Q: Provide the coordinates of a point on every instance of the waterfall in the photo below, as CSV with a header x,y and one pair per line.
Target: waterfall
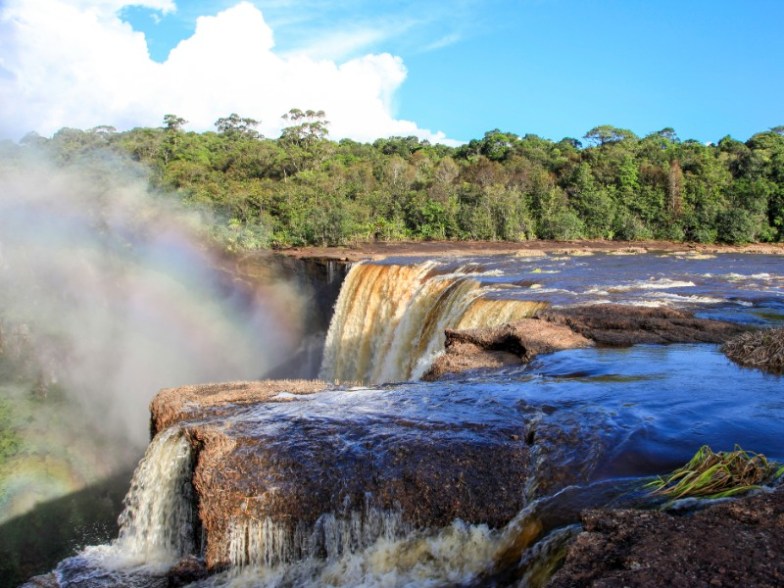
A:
x,y
389,320
157,525
265,543
375,548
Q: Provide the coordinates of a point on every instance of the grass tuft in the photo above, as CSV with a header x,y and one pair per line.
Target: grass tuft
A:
x,y
716,475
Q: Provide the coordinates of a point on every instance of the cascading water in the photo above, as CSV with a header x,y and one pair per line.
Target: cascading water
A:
x,y
375,548
267,544
389,320
157,525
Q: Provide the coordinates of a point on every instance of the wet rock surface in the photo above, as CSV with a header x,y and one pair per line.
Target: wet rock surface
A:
x,y
244,475
508,345
204,401
573,328
737,543
622,325
275,463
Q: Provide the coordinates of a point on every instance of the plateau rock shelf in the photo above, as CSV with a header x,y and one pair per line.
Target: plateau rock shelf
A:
x,y
289,479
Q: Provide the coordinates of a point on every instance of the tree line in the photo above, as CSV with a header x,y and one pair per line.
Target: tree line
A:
x,y
302,188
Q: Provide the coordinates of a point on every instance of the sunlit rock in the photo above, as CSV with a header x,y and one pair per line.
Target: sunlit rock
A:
x,y
573,328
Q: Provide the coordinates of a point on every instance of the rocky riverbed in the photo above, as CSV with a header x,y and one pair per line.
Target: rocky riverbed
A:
x,y
573,328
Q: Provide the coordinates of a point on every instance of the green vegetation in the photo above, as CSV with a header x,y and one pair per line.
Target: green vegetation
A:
x,y
9,439
716,475
304,189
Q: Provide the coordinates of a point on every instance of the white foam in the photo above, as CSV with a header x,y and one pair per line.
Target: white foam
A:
x,y
285,396
652,284
456,554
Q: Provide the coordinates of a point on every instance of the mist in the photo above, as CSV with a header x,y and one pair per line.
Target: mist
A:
x,y
108,293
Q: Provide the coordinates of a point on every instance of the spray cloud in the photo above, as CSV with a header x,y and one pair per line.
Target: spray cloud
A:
x,y
106,292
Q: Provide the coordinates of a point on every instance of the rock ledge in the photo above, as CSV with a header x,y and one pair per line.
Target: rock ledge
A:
x,y
572,328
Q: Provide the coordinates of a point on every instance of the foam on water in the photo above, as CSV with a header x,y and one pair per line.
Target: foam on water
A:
x,y
651,284
343,553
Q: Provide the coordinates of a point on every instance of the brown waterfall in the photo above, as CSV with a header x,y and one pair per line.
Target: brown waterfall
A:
x,y
390,319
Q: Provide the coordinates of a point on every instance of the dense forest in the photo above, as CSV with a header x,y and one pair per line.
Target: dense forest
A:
x,y
303,188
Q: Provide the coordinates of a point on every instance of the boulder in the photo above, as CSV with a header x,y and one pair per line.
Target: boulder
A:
x,y
497,347
283,472
276,484
737,543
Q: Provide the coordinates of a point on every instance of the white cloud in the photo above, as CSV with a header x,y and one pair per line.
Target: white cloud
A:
x,y
75,63
445,41
341,44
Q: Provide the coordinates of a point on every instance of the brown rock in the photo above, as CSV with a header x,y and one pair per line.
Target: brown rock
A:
x,y
246,476
572,328
508,345
462,357
186,571
621,325
172,405
730,544
265,469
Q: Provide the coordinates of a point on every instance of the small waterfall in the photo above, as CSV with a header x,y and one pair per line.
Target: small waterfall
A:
x,y
375,548
265,543
389,320
157,525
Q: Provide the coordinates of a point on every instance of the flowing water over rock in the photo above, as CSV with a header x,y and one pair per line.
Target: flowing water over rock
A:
x,y
390,317
473,481
157,527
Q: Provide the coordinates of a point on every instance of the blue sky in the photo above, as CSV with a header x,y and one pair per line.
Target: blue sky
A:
x,y
455,69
